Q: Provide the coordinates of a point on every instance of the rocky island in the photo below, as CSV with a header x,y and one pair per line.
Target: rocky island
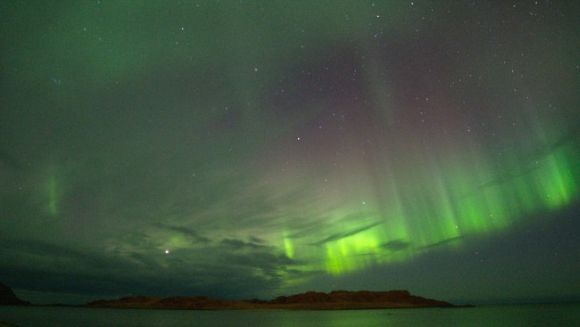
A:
x,y
335,300
7,297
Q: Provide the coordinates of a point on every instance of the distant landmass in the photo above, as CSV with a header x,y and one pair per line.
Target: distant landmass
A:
x,y
7,297
335,300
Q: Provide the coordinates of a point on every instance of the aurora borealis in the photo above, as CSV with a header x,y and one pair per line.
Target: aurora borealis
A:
x,y
257,148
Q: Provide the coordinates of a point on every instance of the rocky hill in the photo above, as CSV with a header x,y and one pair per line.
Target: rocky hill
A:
x,y
334,300
178,302
7,297
358,299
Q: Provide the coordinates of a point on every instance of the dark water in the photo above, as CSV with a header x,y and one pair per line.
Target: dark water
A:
x,y
509,315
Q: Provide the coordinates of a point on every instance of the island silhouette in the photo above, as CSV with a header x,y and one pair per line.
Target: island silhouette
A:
x,y
7,297
335,300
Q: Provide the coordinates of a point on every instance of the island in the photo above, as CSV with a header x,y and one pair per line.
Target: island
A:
x,y
7,297
335,300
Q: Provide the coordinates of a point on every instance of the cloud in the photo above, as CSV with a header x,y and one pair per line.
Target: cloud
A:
x,y
48,252
444,242
192,234
255,239
308,227
240,244
396,245
339,236
215,270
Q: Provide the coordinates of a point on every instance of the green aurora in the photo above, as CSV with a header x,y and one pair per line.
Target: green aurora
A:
x,y
252,148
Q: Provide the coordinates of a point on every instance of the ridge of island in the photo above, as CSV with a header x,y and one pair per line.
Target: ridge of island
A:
x,y
335,300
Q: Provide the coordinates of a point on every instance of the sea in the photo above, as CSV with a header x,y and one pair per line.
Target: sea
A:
x,y
501,315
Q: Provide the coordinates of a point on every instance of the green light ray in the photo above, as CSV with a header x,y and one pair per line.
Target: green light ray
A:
x,y
441,208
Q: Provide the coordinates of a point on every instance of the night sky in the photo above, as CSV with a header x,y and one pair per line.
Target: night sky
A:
x,y
243,149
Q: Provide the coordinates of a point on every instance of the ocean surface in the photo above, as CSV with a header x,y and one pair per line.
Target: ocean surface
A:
x,y
505,315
